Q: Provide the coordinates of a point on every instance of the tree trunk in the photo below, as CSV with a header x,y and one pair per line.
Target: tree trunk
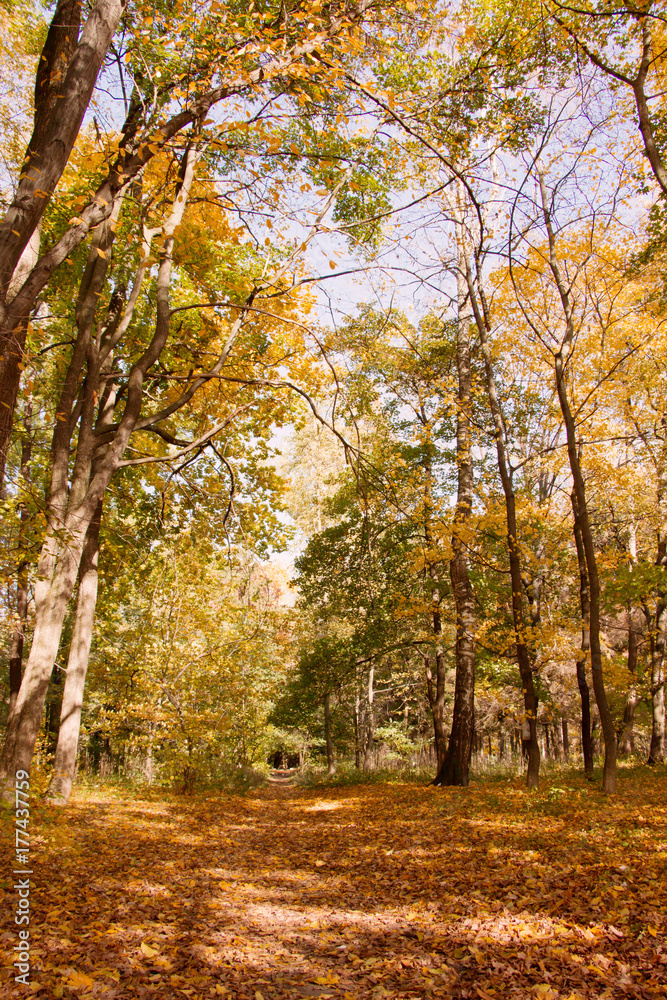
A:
x,y
566,739
656,753
60,786
582,683
626,743
53,706
18,634
581,505
72,507
66,75
435,687
436,698
530,701
586,535
51,597
369,730
331,764
357,732
455,769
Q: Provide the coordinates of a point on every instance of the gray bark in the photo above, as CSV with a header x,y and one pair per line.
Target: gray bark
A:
x,y
369,728
18,634
331,763
60,786
657,645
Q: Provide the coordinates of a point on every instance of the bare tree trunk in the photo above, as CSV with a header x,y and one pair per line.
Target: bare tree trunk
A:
x,y
369,730
435,686
626,743
436,697
581,516
582,683
18,634
331,764
656,753
566,739
70,717
455,769
52,598
357,731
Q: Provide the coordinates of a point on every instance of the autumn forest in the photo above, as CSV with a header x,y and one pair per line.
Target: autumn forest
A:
x,y
333,495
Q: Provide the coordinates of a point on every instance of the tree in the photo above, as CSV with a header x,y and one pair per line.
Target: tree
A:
x,y
155,117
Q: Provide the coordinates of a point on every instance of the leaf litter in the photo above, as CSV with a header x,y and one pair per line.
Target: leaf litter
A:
x,y
386,892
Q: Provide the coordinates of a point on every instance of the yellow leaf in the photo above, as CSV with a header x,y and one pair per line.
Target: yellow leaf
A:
x,y
101,253
318,864
147,950
294,149
79,981
332,265
653,931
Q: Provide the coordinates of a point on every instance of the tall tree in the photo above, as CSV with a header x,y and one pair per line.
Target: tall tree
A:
x,y
456,766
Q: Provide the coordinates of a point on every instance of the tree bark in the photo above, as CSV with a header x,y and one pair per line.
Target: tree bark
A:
x,y
435,688
357,731
566,740
626,743
60,786
369,728
455,769
656,753
582,683
331,763
18,634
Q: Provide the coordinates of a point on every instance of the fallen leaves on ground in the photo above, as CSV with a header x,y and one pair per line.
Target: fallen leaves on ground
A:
x,y
373,891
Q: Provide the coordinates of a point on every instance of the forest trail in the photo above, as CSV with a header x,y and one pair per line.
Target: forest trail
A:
x,y
372,891
280,777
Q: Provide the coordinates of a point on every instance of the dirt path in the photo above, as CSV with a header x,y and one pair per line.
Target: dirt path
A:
x,y
284,776
366,892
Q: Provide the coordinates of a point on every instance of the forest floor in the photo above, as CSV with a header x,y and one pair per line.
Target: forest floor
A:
x,y
369,891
